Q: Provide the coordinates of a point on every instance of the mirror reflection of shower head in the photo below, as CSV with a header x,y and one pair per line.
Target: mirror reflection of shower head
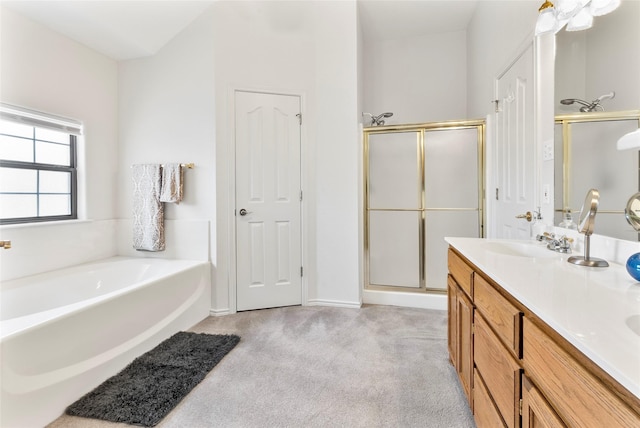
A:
x,y
377,120
588,107
569,101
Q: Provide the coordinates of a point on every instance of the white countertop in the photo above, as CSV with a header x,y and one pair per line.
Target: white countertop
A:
x,y
595,309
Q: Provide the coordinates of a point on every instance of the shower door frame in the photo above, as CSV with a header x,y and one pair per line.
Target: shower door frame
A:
x,y
422,128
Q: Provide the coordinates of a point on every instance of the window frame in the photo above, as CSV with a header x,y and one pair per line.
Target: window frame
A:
x,y
72,168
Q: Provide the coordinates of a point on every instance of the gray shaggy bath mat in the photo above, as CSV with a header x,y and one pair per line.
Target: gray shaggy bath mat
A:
x,y
153,384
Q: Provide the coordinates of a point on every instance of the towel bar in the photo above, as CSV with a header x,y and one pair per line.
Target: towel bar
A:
x,y
190,165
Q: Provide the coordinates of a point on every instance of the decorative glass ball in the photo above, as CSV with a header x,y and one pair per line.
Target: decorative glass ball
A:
x,y
633,266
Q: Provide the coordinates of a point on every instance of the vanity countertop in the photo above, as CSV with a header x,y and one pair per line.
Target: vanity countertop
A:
x,y
596,309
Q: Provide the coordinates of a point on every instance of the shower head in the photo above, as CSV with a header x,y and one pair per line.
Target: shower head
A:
x,y
569,101
377,120
589,107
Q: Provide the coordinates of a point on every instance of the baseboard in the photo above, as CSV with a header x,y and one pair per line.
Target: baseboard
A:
x,y
410,300
334,303
219,312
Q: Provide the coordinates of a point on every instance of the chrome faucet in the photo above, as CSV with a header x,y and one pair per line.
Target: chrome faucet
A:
x,y
5,244
560,244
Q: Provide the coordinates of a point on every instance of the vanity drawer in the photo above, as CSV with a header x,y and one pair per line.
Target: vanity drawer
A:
x,y
499,371
502,316
578,396
461,272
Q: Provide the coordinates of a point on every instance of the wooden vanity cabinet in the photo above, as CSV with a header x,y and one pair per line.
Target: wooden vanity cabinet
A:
x,y
461,272
536,412
485,413
460,296
499,371
524,373
460,335
452,320
504,318
576,392
488,345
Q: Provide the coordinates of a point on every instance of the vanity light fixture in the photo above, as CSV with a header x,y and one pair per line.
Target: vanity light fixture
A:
x,y
568,8
582,20
547,21
602,7
576,14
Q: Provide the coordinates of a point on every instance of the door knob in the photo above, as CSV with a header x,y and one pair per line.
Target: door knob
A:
x,y
528,216
244,212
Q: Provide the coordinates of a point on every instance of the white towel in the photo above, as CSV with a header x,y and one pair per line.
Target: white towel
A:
x,y
171,189
148,211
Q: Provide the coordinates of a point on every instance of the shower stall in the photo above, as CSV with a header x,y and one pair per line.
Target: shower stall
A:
x,y
586,157
421,183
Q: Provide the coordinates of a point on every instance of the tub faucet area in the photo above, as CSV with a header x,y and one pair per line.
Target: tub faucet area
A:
x,y
5,244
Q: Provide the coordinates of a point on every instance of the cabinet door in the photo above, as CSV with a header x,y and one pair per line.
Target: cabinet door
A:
x,y
499,371
484,411
536,412
452,328
464,313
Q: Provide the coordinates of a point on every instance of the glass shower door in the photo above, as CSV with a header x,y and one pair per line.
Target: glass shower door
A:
x,y
422,183
452,195
394,189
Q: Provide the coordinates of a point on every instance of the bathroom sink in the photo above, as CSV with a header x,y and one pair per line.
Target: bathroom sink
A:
x,y
633,322
519,249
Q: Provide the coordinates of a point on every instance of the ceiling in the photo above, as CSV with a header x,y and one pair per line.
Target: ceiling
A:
x,y
396,19
132,29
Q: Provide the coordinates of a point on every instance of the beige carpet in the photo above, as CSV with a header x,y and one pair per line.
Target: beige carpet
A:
x,y
378,366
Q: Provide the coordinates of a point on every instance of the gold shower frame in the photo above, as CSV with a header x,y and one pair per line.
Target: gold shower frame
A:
x,y
420,129
566,120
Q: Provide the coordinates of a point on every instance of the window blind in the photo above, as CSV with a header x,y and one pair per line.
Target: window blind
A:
x,y
42,120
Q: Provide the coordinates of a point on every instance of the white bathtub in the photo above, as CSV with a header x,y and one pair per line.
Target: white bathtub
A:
x,y
66,331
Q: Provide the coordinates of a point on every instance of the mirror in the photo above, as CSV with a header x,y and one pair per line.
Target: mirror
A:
x,y
632,211
586,225
590,65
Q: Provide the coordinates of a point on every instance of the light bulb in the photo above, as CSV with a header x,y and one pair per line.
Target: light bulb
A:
x,y
602,7
566,9
547,22
582,21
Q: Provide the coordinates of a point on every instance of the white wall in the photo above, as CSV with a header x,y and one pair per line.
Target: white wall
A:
x,y
306,48
600,60
167,114
570,69
178,106
494,35
258,46
337,154
45,71
419,79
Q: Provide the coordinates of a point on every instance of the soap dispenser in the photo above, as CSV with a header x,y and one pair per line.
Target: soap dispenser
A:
x,y
567,221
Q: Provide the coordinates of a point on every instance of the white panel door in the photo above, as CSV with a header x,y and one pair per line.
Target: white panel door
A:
x,y
268,201
515,152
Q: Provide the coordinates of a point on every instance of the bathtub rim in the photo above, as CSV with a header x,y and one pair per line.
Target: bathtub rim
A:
x,y
17,326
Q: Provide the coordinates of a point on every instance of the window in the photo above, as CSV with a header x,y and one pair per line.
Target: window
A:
x,y
38,177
